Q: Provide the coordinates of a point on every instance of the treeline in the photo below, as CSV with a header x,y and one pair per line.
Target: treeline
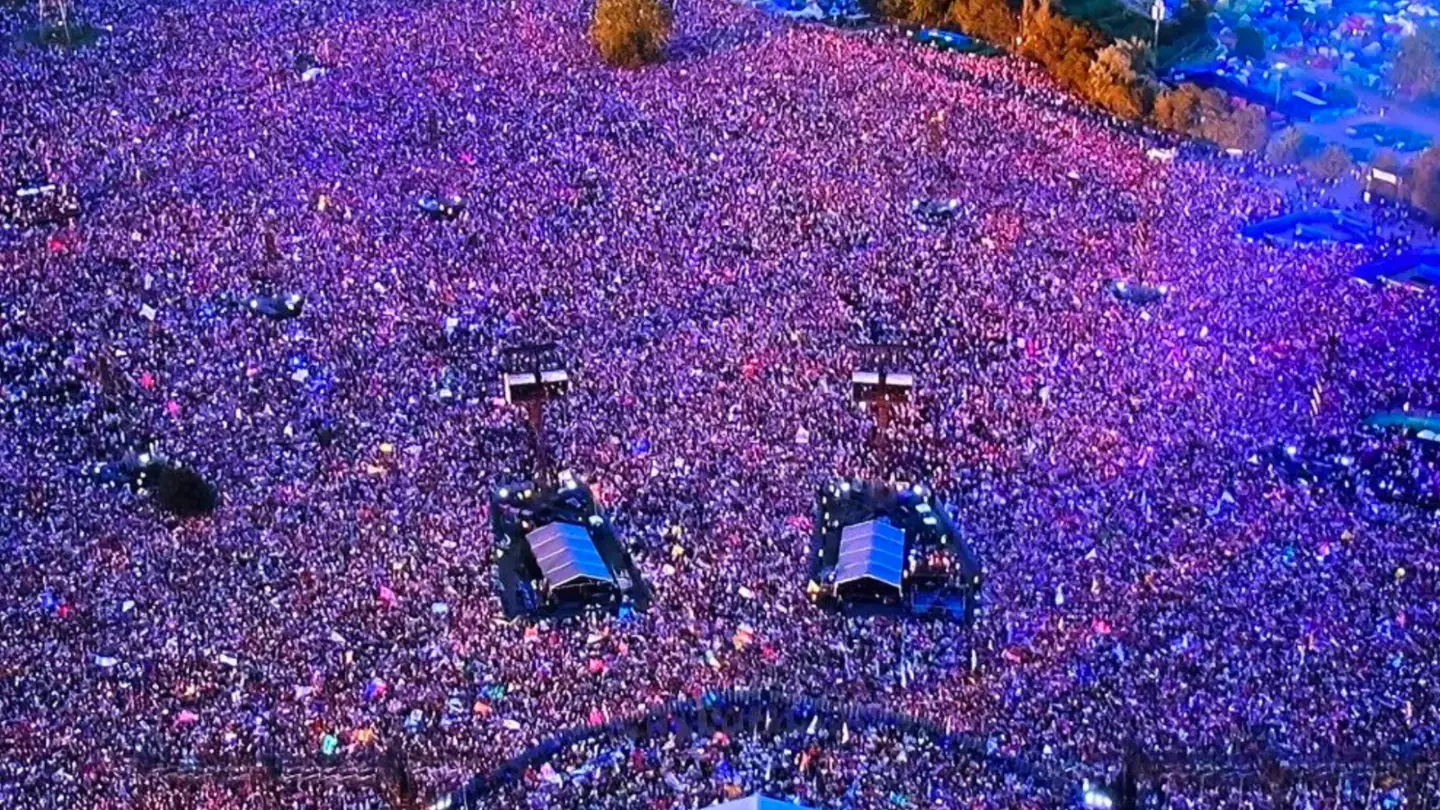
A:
x,y
1419,181
1416,73
1117,75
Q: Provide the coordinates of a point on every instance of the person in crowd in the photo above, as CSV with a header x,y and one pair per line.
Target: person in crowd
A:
x,y
708,240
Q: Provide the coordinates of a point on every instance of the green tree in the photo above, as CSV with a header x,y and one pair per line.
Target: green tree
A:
x,y
1122,78
995,21
1416,71
1386,161
1331,164
1179,109
1065,47
1425,182
1213,116
928,12
900,10
1246,127
1194,18
1249,44
631,33
1290,146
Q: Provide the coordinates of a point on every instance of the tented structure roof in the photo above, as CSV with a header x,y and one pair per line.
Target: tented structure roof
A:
x,y
871,550
567,555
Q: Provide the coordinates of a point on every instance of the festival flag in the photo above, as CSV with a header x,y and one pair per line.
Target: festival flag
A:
x,y
376,689
387,596
744,635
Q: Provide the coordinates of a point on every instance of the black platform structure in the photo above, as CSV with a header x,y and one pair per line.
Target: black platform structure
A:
x,y
881,379
176,488
890,550
558,554
533,374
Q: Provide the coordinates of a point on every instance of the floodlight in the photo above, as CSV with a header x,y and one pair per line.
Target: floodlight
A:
x,y
900,379
1095,798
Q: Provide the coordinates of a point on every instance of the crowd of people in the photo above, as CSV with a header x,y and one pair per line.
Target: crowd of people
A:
x,y
752,747
708,240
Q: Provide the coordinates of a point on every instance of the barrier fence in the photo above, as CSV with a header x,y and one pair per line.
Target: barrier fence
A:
x,y
735,712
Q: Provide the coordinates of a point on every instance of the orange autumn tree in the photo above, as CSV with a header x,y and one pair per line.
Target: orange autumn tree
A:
x,y
631,33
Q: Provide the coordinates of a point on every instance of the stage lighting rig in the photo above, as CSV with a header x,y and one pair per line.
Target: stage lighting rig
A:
x,y
532,374
891,549
883,376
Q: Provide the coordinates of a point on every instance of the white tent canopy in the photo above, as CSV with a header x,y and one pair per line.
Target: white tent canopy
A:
x,y
567,556
871,550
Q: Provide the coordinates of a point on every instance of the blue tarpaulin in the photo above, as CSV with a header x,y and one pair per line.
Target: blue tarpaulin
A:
x,y
1304,227
1418,269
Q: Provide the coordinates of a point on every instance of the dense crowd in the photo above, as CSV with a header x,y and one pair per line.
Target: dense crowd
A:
x,y
868,767
708,239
